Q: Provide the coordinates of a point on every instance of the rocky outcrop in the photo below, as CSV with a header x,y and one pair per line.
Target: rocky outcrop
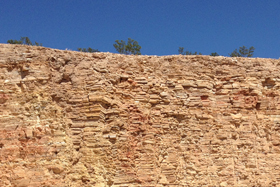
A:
x,y
100,119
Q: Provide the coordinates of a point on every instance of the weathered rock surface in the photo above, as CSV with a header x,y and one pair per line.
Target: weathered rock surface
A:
x,y
79,119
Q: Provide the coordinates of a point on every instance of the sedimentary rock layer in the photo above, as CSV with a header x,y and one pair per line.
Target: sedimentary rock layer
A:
x,y
100,119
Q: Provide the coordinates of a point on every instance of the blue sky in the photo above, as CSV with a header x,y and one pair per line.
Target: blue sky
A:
x,y
159,26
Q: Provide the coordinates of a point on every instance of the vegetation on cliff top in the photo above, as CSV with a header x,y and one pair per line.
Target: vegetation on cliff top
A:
x,y
243,52
132,47
89,50
24,40
182,52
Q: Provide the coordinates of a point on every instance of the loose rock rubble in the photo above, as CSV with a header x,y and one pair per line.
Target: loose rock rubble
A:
x,y
100,119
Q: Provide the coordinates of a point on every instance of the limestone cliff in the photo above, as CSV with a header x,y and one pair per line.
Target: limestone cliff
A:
x,y
99,119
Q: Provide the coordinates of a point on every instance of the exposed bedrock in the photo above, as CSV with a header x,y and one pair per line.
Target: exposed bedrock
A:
x,y
100,119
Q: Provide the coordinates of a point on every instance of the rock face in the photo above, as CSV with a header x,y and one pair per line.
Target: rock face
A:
x,y
100,119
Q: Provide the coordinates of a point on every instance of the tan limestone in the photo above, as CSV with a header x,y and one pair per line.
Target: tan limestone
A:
x,y
80,119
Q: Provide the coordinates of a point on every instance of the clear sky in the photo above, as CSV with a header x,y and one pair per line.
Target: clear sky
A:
x,y
159,26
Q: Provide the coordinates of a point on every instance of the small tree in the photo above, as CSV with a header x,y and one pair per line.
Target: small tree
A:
x,y
26,40
182,52
131,47
89,50
37,44
214,54
243,52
